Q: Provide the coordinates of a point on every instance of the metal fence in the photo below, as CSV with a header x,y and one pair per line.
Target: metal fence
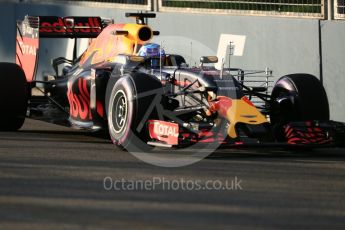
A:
x,y
322,9
130,4
135,2
339,9
297,8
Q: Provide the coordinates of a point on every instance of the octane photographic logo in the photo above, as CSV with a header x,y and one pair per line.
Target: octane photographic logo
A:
x,y
165,184
176,157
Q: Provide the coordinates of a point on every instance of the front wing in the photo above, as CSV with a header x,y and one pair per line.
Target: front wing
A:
x,y
294,134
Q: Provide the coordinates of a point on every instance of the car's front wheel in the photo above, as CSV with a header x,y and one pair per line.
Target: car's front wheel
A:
x,y
299,97
127,111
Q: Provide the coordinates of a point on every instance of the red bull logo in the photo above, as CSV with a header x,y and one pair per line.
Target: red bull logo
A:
x,y
50,24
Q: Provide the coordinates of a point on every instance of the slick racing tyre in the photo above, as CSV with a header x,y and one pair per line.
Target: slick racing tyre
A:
x,y
13,97
299,97
127,110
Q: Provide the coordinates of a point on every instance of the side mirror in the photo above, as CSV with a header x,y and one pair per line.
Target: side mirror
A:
x,y
208,59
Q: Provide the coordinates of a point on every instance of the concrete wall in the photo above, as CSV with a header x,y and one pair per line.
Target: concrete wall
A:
x,y
7,32
285,45
333,60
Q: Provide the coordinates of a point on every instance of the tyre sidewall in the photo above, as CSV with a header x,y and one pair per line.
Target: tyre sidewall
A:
x,y
125,85
309,98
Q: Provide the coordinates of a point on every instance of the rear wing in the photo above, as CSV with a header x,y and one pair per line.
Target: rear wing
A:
x,y
67,27
34,27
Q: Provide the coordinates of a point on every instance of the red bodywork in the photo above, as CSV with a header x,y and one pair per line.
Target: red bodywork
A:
x,y
26,55
26,49
166,132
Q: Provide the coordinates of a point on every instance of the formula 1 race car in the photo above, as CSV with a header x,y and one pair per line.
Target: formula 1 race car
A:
x,y
147,101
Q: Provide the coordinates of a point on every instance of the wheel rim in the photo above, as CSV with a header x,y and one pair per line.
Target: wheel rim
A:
x,y
120,111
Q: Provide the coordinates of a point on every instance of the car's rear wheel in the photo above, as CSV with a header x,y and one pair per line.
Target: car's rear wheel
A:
x,y
13,97
127,110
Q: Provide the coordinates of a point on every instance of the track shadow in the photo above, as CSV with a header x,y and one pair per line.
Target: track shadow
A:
x,y
99,134
221,153
296,153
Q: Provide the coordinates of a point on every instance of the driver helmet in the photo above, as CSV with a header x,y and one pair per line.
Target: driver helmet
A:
x,y
153,51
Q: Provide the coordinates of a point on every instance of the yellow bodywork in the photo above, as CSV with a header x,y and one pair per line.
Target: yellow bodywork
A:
x,y
243,111
110,43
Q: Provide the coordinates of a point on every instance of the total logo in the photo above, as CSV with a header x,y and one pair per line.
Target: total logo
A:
x,y
165,130
27,49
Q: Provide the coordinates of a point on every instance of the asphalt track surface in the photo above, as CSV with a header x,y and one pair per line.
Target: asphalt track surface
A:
x,y
52,178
